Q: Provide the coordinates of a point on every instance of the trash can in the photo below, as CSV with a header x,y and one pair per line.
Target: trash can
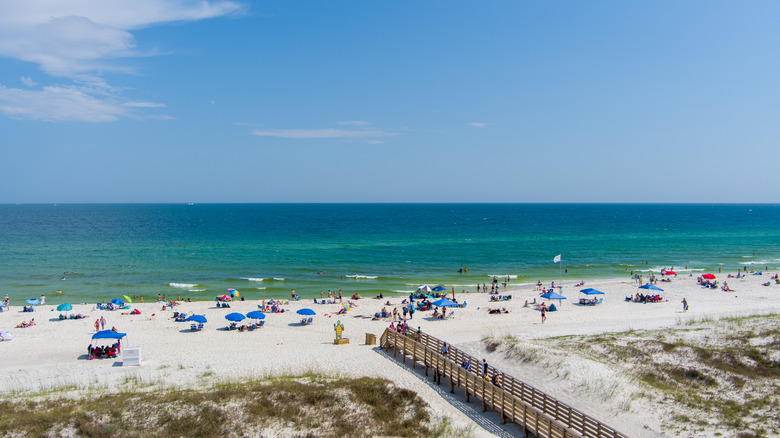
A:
x,y
370,339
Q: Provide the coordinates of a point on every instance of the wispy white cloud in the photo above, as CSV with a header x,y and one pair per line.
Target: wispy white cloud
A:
x,y
353,123
64,104
81,39
322,133
144,105
479,124
28,82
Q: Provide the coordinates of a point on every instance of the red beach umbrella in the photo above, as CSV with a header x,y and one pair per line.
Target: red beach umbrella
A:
x,y
708,276
670,273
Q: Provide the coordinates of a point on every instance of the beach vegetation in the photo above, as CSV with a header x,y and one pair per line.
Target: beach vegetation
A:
x,y
715,374
314,405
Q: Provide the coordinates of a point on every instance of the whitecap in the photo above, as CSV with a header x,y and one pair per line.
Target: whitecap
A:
x,y
182,285
758,262
279,278
502,276
260,288
356,276
252,279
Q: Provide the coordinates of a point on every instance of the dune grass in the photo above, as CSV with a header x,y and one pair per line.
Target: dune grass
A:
x,y
719,375
296,406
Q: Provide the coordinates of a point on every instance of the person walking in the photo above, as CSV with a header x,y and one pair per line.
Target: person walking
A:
x,y
685,305
544,316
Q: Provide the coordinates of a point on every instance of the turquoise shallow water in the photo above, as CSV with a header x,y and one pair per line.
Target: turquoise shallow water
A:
x,y
264,250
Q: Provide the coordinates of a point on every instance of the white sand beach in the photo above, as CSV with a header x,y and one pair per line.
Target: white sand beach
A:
x,y
52,354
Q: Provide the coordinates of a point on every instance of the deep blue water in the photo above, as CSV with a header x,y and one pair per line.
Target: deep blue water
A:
x,y
201,250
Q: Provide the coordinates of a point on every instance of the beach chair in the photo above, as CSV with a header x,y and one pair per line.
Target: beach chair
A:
x,y
232,326
200,326
193,327
261,323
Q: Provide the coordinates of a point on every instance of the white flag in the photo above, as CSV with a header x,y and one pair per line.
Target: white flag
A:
x,y
557,259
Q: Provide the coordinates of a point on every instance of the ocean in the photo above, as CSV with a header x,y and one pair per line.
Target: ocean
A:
x,y
96,252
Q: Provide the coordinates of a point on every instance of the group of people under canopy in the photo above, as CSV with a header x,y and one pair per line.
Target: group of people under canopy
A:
x,y
106,352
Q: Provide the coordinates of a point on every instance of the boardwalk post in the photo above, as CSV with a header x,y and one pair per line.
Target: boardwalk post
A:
x,y
484,397
467,388
525,420
452,381
395,345
503,413
403,351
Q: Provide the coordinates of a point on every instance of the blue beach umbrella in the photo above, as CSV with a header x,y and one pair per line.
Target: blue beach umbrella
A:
x,y
591,291
444,303
108,334
33,302
235,317
553,296
306,312
650,287
64,307
196,318
439,288
255,314
117,302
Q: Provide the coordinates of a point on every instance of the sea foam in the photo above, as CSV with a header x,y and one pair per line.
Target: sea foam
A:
x,y
182,285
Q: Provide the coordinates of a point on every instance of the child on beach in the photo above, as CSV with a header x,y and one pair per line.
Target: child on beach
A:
x,y
685,305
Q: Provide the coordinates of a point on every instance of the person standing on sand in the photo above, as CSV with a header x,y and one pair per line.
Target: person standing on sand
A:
x,y
97,325
102,323
685,305
544,316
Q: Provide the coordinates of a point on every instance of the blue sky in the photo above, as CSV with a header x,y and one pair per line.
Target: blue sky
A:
x,y
403,101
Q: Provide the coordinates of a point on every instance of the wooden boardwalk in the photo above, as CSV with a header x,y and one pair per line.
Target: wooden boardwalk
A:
x,y
536,412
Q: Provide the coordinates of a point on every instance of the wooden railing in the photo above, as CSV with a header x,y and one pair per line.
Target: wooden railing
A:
x,y
516,401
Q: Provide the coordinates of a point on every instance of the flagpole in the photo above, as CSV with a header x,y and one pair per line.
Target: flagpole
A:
x,y
558,259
